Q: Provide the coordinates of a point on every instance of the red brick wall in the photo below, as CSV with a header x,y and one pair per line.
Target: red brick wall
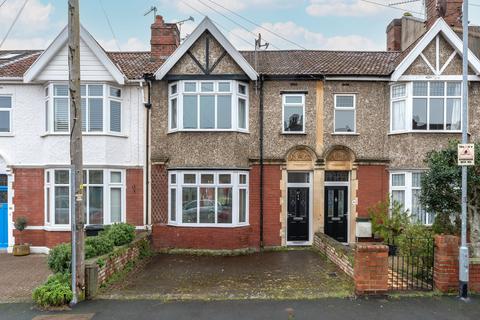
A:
x,y
134,195
371,269
372,187
165,236
165,38
445,274
28,197
42,238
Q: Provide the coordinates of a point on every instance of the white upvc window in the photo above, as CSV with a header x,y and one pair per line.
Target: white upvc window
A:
x,y
293,113
405,189
5,114
208,198
220,105
104,196
432,106
101,106
345,113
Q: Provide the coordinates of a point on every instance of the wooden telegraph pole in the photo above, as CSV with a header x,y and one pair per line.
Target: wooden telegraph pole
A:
x,y
76,157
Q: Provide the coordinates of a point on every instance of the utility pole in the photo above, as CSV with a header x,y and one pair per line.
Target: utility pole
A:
x,y
76,156
463,252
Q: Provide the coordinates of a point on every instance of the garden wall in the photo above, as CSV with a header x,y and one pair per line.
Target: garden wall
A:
x,y
99,270
445,275
338,253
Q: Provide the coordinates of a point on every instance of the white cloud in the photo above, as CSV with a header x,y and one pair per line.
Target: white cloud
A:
x,y
26,43
304,37
355,7
132,44
34,18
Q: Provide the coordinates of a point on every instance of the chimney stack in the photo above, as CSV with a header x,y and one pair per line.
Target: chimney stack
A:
x,y
449,10
394,35
165,38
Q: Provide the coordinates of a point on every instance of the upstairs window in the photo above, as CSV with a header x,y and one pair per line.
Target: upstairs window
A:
x,y
433,106
345,113
293,113
5,114
101,107
208,106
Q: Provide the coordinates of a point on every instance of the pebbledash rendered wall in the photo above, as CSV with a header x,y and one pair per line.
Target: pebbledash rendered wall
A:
x,y
29,202
248,237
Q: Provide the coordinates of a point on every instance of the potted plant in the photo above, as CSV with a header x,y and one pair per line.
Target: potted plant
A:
x,y
21,249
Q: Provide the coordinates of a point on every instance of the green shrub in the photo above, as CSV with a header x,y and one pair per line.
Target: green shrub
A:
x,y
119,233
416,241
55,292
60,258
388,221
97,246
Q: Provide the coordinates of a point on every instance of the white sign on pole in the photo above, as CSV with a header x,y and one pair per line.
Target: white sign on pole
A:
x,y
466,154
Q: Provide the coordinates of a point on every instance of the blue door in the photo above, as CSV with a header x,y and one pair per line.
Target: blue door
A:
x,y
3,211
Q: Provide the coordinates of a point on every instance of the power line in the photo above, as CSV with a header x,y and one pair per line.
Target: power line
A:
x,y
1,4
258,25
110,25
13,23
387,6
218,24
233,21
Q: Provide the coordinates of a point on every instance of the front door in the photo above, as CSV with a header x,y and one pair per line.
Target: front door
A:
x,y
336,212
3,212
298,214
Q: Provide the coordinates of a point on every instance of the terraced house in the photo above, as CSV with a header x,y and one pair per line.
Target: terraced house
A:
x,y
265,148
34,140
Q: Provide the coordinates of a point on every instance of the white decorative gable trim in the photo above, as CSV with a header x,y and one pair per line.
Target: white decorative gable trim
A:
x,y
451,37
206,24
61,41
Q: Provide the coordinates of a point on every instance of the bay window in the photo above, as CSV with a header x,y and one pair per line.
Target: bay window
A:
x,y
433,106
208,198
208,106
101,107
405,189
104,196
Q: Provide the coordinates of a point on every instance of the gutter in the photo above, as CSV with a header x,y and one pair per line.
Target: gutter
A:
x,y
148,106
261,129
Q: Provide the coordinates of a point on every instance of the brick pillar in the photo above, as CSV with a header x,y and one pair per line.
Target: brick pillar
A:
x,y
445,272
371,269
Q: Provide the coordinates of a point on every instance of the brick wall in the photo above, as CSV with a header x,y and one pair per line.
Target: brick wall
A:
x,y
134,195
28,198
371,269
339,254
445,275
165,236
372,187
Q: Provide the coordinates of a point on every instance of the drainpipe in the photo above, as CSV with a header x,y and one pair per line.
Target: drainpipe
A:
x,y
148,106
260,116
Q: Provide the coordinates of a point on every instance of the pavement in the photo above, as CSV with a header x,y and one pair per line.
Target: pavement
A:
x,y
292,274
20,275
432,308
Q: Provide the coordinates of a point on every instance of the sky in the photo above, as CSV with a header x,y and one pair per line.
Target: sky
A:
x,y
311,24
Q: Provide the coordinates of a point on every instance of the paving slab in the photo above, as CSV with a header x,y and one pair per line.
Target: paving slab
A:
x,y
20,275
292,274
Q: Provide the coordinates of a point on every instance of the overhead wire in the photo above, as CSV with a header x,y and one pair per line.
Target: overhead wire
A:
x,y
110,25
387,6
13,23
258,25
3,2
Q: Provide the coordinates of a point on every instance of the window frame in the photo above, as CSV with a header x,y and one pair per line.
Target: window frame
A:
x,y
107,185
106,97
290,104
235,184
181,93
408,98
10,114
353,108
408,188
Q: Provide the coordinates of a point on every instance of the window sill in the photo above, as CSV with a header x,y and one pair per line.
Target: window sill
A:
x,y
207,130
90,134
345,134
425,132
287,133
7,135
208,225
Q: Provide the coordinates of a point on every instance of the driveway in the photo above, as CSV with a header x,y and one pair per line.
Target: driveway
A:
x,y
20,275
293,274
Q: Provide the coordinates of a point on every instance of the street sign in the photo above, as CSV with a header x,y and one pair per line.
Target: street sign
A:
x,y
466,154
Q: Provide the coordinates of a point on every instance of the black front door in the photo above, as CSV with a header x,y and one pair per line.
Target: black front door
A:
x,y
298,214
336,212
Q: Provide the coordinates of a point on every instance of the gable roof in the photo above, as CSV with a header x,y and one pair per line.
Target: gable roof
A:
x,y
205,25
61,41
440,26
